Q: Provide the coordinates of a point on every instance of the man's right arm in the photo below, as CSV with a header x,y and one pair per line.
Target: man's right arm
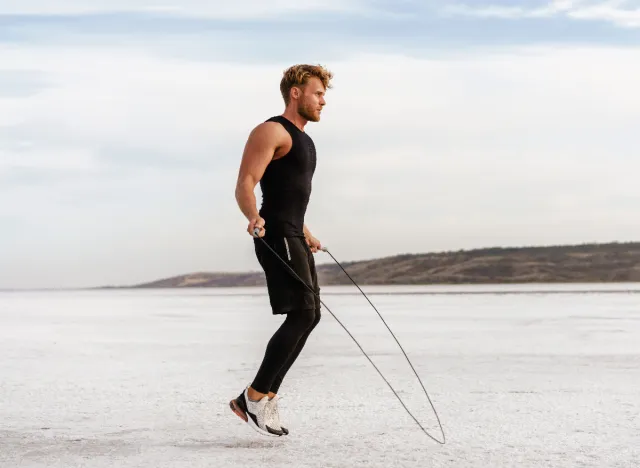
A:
x,y
258,153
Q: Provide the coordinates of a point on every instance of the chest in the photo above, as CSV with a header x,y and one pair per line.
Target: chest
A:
x,y
301,155
308,148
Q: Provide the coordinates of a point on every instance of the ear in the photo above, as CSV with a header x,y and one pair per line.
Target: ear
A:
x,y
295,92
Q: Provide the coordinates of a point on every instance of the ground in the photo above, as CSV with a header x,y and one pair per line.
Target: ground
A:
x,y
143,378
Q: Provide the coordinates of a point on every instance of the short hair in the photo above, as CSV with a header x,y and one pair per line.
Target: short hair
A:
x,y
298,75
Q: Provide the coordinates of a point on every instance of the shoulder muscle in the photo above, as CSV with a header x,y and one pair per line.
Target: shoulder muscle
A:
x,y
260,148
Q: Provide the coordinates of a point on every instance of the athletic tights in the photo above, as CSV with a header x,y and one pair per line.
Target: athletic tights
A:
x,y
284,348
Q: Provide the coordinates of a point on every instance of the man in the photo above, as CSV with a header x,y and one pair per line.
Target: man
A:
x,y
282,158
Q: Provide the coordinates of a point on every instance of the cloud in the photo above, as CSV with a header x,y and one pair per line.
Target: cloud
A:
x,y
111,97
624,13
19,83
201,8
121,167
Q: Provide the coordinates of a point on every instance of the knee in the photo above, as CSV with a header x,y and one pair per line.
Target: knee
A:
x,y
308,319
314,319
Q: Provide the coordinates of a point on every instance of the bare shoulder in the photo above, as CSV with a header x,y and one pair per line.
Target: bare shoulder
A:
x,y
269,133
267,141
270,137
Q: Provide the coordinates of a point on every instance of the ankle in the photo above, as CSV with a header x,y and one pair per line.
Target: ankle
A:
x,y
254,394
271,395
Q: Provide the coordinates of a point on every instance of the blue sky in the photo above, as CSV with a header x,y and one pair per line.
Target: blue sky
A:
x,y
450,125
369,25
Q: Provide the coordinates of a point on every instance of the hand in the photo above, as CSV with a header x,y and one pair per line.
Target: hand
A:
x,y
313,243
254,223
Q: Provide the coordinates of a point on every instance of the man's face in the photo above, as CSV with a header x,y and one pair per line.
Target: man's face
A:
x,y
311,100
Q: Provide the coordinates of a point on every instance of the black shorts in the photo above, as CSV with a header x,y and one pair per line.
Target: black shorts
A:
x,y
286,292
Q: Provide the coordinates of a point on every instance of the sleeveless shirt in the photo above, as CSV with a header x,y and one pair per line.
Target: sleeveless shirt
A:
x,y
286,184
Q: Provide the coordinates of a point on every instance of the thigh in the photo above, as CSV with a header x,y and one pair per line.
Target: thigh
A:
x,y
286,291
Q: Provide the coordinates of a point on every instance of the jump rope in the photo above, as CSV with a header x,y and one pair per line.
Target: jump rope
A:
x,y
256,232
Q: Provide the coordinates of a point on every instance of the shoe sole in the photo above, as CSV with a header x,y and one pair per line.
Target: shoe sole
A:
x,y
233,404
238,411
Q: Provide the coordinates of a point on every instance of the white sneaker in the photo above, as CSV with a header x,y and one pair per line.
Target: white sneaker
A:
x,y
273,403
259,414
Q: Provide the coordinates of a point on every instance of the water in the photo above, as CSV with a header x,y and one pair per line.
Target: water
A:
x,y
527,376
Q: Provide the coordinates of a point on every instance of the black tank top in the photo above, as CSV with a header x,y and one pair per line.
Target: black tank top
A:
x,y
286,184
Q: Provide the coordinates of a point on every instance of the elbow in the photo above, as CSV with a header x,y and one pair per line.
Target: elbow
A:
x,y
242,188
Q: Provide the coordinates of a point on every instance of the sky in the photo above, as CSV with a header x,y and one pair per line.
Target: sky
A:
x,y
450,125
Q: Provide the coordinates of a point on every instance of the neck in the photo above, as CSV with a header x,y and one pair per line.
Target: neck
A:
x,y
294,117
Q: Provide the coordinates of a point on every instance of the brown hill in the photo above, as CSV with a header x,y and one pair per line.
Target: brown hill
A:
x,y
612,262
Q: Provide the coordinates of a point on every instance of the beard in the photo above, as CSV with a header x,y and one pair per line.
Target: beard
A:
x,y
308,113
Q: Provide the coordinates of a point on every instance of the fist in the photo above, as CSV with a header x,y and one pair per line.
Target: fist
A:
x,y
314,244
256,223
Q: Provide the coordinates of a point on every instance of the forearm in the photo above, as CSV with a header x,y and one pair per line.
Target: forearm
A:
x,y
246,199
306,231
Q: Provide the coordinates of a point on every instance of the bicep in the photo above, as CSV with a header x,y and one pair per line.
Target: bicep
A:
x,y
258,153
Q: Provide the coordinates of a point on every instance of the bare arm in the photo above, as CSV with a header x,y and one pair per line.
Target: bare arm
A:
x,y
261,145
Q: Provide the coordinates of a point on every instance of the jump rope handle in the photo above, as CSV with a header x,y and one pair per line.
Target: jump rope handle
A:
x,y
256,233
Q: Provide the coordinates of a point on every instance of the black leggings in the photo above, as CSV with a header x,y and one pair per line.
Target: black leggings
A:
x,y
283,349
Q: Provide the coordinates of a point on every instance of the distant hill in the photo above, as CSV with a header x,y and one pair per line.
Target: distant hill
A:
x,y
612,262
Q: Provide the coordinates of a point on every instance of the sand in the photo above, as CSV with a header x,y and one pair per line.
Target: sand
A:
x,y
143,378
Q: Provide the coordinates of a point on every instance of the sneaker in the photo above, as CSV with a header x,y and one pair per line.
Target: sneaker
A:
x,y
273,403
258,414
